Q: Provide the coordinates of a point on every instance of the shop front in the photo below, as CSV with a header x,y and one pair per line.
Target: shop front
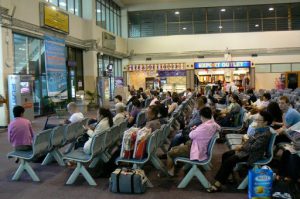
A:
x,y
223,73
168,76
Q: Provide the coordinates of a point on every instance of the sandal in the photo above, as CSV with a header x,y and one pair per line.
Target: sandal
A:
x,y
213,189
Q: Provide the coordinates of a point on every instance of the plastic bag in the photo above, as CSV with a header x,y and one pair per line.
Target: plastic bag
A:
x,y
260,183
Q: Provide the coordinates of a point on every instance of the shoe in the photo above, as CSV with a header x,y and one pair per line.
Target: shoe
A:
x,y
213,189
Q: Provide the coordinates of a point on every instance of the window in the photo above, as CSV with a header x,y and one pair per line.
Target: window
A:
x,y
108,16
72,6
270,17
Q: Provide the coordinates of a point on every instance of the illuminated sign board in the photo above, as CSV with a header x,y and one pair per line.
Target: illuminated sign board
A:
x,y
53,18
229,64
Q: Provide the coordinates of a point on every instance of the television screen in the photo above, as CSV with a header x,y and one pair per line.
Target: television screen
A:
x,y
25,88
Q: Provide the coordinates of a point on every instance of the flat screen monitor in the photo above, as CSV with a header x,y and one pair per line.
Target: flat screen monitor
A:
x,y
25,87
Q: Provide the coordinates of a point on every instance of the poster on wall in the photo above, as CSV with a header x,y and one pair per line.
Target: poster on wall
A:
x,y
56,67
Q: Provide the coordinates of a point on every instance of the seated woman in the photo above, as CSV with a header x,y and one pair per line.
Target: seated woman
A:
x,y
152,118
155,98
196,148
228,116
274,109
251,151
120,116
105,121
134,112
174,105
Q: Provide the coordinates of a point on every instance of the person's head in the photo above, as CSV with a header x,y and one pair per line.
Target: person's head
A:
x,y
175,98
274,110
263,119
120,107
169,94
118,98
205,114
72,107
266,96
163,110
199,103
189,90
155,93
18,111
152,112
132,92
284,103
141,89
250,92
105,113
136,103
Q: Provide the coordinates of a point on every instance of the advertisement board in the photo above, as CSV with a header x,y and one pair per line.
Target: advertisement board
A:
x,y
229,64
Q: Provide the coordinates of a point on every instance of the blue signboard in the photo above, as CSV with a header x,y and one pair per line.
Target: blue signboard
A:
x,y
171,73
56,66
229,64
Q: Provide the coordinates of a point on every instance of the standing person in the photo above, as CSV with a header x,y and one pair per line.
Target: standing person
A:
x,y
246,82
20,133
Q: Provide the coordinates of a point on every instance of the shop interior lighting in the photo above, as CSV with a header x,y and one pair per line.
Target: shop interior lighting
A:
x,y
271,9
223,10
177,12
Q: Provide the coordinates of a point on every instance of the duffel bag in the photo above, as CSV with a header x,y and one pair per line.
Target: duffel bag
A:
x,y
127,181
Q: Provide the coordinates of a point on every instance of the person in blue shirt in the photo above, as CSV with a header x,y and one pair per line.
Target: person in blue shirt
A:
x,y
290,117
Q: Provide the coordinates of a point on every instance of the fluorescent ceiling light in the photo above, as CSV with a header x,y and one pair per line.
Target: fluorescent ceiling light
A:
x,y
184,28
271,9
220,27
223,10
177,12
256,25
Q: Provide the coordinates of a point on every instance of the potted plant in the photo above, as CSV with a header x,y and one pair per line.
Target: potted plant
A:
x,y
91,96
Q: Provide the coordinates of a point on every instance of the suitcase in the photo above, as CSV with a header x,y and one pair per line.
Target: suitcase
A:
x,y
127,181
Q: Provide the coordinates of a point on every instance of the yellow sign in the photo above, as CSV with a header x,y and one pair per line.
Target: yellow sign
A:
x,y
56,19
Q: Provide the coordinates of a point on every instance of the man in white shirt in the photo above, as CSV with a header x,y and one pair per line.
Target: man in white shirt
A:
x,y
76,115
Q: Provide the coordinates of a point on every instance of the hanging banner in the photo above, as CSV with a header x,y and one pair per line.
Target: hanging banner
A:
x,y
229,64
56,67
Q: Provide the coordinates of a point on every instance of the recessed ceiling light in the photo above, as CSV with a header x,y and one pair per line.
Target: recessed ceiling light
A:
x,y
177,12
98,10
256,25
271,9
184,28
223,10
220,27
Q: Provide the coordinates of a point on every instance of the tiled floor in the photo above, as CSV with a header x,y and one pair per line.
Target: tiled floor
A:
x,y
53,178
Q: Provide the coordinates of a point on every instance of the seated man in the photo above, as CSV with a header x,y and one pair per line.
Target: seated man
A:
x,y
20,133
120,116
196,148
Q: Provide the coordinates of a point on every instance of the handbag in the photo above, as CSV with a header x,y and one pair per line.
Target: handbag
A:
x,y
124,180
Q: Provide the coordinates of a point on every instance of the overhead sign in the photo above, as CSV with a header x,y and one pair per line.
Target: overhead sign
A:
x,y
229,64
56,66
150,67
53,18
173,73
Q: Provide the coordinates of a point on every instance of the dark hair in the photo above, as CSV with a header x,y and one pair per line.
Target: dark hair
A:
x,y
275,111
285,98
169,93
141,89
204,99
236,98
206,112
163,110
155,93
154,109
267,117
250,91
132,93
267,96
106,113
175,98
136,103
189,89
18,111
119,97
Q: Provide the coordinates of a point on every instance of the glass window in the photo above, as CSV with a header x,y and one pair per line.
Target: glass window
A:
x,y
186,15
111,15
241,26
20,54
199,14
78,7
213,26
199,27
281,10
98,13
226,13
55,2
227,26
254,12
213,13
269,24
71,7
134,24
63,4
268,11
173,16
107,18
240,12
146,24
186,28
255,25
159,20
173,28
